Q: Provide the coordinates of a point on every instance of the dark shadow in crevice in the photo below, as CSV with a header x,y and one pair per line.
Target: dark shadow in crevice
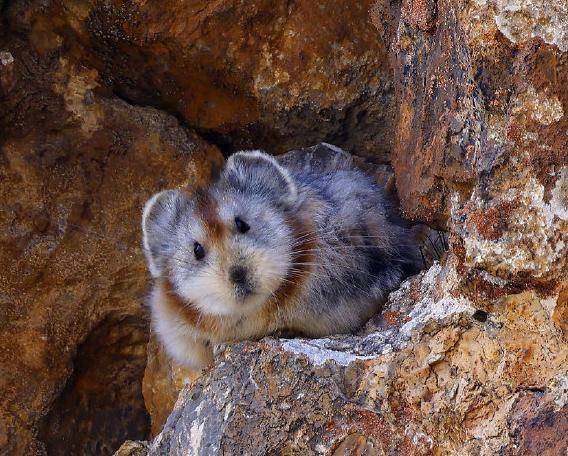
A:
x,y
102,404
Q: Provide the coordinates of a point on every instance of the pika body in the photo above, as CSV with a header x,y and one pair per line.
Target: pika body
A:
x,y
304,243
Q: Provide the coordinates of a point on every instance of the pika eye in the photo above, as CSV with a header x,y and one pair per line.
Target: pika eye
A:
x,y
198,250
242,226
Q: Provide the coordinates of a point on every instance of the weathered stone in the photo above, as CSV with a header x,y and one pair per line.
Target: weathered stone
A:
x,y
479,109
132,448
468,358
433,381
357,445
539,425
163,380
243,73
6,72
522,21
74,329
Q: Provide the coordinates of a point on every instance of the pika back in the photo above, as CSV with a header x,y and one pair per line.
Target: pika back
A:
x,y
304,244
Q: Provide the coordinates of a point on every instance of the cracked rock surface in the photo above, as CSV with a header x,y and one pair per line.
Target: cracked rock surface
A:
x,y
432,375
470,357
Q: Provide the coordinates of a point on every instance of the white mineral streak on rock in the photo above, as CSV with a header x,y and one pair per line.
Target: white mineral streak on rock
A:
x,y
549,304
521,20
318,354
534,239
334,148
559,200
196,433
428,308
560,391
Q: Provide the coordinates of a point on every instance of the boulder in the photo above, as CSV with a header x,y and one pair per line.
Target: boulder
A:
x,y
432,375
481,95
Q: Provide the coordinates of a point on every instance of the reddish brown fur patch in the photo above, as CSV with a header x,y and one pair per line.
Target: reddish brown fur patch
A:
x,y
304,242
206,323
207,207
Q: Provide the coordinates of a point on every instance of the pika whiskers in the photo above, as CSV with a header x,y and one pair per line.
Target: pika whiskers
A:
x,y
304,243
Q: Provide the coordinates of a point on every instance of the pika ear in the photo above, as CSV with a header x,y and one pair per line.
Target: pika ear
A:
x,y
256,171
159,219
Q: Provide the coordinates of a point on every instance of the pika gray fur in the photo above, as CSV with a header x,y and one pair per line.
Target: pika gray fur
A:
x,y
304,243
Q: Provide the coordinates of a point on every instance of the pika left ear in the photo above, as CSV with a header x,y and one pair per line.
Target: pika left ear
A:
x,y
257,172
159,218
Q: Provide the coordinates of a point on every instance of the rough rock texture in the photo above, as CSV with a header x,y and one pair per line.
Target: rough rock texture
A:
x,y
471,357
241,72
466,99
432,375
132,448
75,169
482,90
79,155
162,383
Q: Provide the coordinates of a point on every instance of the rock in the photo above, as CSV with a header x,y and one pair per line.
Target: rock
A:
x,y
481,88
245,74
132,448
357,445
74,327
471,356
6,72
466,99
163,380
427,379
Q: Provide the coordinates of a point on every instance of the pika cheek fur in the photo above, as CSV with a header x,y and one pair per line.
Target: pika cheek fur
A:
x,y
304,244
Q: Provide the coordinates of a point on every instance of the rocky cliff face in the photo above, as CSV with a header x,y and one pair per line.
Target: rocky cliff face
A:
x,y
102,103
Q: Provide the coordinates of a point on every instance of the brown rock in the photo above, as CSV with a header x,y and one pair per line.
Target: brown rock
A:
x,y
357,445
163,380
474,97
132,448
420,13
7,77
243,73
74,328
539,425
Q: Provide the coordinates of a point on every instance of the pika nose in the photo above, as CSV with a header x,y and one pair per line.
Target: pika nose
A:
x,y
238,275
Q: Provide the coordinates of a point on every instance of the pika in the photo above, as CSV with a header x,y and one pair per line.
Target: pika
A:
x,y
304,244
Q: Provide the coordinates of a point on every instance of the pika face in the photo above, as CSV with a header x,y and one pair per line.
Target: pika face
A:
x,y
308,249
227,250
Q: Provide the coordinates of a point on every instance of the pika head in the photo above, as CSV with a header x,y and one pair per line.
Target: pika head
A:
x,y
225,250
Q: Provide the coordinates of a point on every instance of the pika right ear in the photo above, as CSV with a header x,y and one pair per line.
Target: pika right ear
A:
x,y
159,218
260,173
